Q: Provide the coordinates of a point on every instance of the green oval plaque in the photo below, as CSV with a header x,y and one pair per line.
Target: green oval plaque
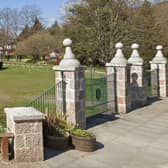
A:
x,y
98,94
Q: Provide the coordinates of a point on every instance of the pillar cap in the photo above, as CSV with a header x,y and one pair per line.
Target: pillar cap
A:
x,y
69,69
159,57
69,59
135,56
24,114
119,59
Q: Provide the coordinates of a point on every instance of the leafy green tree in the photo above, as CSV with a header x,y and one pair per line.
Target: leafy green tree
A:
x,y
55,24
38,45
144,30
37,26
26,32
55,28
95,26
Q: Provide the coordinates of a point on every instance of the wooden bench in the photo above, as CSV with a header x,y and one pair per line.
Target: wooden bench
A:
x,y
4,137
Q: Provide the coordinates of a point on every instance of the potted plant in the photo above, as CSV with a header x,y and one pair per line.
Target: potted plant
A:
x,y
55,135
82,140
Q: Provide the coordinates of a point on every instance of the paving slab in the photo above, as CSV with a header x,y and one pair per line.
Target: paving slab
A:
x,y
138,140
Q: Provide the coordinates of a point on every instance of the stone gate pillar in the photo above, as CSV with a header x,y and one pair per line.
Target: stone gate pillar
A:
x,y
26,125
111,85
138,97
73,74
159,74
119,66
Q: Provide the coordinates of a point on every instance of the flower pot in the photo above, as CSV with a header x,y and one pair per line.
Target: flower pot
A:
x,y
54,142
86,144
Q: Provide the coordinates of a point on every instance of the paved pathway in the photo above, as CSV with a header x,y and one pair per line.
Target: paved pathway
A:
x,y
139,140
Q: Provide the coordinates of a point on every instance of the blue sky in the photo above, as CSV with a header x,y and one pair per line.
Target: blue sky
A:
x,y
51,9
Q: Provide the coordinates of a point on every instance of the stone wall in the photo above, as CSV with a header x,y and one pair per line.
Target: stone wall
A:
x,y
26,124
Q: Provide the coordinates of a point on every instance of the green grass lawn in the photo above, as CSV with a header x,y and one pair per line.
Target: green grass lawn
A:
x,y
19,85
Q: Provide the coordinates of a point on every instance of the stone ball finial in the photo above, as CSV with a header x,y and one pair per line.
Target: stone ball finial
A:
x,y
135,56
159,47
119,45
159,57
69,59
67,42
135,46
119,58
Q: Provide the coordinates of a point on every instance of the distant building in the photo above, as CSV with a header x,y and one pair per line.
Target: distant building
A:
x,y
53,56
8,49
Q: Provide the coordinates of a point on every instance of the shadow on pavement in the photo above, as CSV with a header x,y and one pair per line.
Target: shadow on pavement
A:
x,y
99,145
152,99
99,119
50,153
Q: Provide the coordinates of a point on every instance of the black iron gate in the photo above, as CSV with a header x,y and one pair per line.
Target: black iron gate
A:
x,y
147,80
151,81
99,96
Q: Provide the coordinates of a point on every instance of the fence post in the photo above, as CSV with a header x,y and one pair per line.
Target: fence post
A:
x,y
4,139
138,97
121,70
73,74
4,149
159,74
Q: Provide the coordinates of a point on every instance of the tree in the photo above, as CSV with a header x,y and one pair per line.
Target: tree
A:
x,y
13,21
147,31
99,23
55,24
160,11
57,32
38,45
26,32
28,15
37,26
15,26
9,26
95,26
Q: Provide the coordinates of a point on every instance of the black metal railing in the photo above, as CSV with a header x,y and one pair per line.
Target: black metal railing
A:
x,y
52,100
